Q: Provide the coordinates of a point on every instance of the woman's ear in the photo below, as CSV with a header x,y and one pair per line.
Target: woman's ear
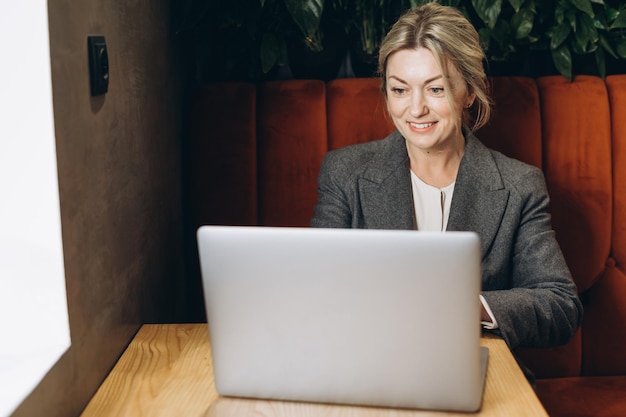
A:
x,y
470,100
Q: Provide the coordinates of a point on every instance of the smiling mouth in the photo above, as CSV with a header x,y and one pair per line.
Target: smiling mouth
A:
x,y
421,125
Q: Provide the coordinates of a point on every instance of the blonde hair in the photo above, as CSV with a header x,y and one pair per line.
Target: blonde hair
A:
x,y
452,39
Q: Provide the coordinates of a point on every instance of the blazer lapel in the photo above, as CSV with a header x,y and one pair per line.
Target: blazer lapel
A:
x,y
385,188
478,203
479,198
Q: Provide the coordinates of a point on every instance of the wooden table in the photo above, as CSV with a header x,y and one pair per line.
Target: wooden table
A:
x,y
167,371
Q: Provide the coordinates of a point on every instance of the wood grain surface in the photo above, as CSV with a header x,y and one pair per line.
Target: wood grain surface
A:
x,y
167,371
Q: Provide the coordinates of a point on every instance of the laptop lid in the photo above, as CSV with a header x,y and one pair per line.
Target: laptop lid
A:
x,y
366,317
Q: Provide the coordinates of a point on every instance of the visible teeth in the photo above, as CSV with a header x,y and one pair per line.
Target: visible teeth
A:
x,y
421,125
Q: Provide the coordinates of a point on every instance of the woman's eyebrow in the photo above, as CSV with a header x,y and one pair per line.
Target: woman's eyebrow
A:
x,y
430,80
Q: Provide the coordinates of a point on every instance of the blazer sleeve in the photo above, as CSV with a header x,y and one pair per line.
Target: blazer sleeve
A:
x,y
540,307
332,209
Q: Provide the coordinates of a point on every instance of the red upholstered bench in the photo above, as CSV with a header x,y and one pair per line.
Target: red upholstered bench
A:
x,y
255,151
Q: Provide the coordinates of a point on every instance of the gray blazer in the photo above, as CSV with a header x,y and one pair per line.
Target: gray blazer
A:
x,y
526,281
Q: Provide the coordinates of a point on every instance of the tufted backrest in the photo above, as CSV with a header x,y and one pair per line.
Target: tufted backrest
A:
x,y
255,152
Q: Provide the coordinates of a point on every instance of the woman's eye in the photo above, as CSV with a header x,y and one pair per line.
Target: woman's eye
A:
x,y
398,90
437,91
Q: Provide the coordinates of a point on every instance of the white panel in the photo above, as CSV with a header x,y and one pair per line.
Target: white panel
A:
x,y
33,306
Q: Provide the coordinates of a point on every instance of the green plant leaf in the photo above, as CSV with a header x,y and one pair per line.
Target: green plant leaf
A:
x,y
561,33
502,35
571,17
584,6
611,13
516,4
559,15
601,62
620,20
620,47
488,10
522,23
575,47
562,58
600,21
269,52
485,38
587,34
607,46
307,14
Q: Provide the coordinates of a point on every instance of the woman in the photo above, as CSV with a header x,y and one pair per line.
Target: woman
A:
x,y
432,173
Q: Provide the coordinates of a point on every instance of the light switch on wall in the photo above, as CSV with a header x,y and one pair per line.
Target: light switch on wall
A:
x,y
98,65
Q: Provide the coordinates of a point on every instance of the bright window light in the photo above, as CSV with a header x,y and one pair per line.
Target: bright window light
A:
x,y
33,305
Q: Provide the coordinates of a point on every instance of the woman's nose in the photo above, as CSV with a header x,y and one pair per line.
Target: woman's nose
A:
x,y
418,104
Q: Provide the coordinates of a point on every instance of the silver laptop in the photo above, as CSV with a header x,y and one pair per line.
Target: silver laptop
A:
x,y
366,317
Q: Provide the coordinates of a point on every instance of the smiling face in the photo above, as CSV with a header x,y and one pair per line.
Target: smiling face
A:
x,y
418,100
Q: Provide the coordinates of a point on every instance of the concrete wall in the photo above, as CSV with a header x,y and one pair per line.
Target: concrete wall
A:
x,y
119,162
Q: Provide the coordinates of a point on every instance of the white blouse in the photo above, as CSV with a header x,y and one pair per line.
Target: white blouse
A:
x,y
432,204
432,209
